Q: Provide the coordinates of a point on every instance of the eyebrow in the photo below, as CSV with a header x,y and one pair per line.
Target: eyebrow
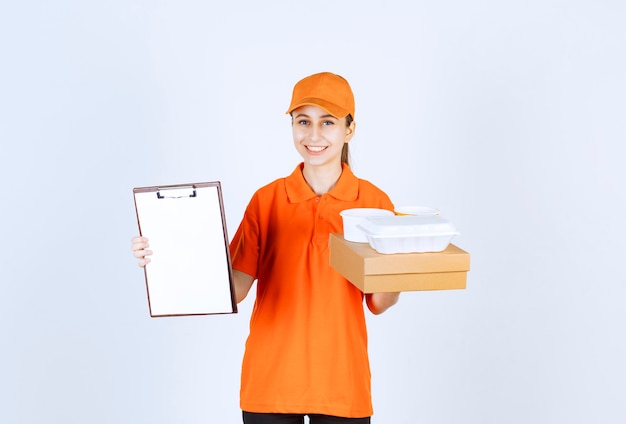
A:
x,y
304,115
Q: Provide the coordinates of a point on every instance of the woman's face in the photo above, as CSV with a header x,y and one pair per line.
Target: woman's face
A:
x,y
318,136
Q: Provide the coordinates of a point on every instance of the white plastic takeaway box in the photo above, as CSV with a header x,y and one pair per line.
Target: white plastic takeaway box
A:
x,y
353,217
408,234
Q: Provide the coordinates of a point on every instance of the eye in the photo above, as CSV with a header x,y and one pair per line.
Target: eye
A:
x,y
328,123
303,122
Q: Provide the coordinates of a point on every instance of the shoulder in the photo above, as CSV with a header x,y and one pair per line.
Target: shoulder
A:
x,y
367,187
279,183
267,194
270,189
371,192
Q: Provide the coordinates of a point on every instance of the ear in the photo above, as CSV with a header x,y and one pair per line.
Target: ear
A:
x,y
350,132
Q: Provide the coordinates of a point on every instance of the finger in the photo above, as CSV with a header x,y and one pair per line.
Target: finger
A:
x,y
140,254
138,240
145,261
139,245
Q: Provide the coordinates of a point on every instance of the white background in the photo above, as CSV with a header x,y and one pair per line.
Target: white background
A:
x,y
509,116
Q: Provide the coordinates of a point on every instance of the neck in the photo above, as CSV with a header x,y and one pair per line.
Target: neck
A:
x,y
321,180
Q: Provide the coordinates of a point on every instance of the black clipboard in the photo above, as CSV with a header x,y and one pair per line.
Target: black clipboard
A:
x,y
190,270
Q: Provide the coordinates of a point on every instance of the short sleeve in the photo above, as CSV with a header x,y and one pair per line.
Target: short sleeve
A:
x,y
244,247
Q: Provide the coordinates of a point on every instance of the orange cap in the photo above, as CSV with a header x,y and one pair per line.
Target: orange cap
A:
x,y
329,91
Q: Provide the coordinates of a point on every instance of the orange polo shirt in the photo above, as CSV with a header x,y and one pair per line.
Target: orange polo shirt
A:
x,y
307,348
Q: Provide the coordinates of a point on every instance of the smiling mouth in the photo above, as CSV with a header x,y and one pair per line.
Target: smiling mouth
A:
x,y
316,149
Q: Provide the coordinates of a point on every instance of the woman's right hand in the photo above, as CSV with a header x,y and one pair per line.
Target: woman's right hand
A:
x,y
139,246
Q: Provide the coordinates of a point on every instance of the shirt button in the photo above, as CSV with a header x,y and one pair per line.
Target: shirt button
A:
x,y
317,199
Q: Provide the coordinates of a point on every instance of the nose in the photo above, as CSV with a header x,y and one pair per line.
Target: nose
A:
x,y
315,133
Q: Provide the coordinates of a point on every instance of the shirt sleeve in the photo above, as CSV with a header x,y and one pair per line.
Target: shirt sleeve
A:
x,y
244,247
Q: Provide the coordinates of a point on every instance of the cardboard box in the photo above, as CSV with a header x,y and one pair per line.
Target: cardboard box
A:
x,y
374,272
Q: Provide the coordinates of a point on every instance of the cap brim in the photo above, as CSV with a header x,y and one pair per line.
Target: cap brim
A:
x,y
331,108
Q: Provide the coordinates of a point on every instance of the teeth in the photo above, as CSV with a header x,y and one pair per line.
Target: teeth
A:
x,y
316,148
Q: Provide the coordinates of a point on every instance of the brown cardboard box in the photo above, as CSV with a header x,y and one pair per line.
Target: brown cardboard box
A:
x,y
374,272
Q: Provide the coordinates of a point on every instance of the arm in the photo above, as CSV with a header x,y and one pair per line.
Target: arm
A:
x,y
242,281
378,303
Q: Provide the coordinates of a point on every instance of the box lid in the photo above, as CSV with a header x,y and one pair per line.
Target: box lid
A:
x,y
363,259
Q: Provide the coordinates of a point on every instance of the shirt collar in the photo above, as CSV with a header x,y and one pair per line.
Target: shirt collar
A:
x,y
347,188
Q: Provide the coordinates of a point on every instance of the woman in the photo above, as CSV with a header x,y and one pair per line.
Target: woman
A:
x,y
307,349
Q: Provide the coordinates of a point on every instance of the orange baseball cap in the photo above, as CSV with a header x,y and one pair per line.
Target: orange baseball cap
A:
x,y
329,91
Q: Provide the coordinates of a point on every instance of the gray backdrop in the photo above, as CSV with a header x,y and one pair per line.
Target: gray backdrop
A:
x,y
508,116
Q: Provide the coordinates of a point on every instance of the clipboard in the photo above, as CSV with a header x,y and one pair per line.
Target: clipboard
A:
x,y
190,270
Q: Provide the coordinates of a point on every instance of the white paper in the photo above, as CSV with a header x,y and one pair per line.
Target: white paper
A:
x,y
189,272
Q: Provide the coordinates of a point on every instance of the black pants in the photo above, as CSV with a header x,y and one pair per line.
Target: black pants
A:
x,y
257,418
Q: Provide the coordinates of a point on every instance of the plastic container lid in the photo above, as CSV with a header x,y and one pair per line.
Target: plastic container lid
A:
x,y
406,226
